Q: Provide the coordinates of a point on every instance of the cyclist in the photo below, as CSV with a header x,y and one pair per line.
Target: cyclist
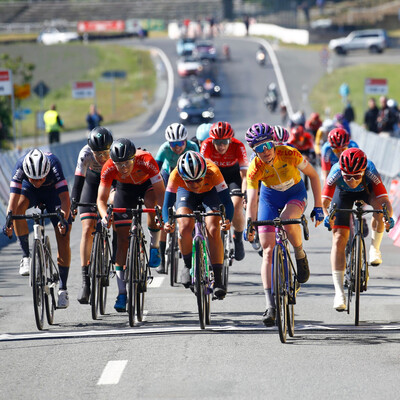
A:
x,y
91,159
202,133
303,142
196,181
167,157
37,179
278,168
229,154
138,176
355,178
281,135
313,123
321,136
338,141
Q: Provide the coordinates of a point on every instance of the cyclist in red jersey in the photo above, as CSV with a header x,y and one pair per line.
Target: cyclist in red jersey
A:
x,y
303,142
138,176
230,155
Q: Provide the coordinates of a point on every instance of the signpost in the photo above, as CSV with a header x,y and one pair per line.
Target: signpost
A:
x,y
83,90
375,86
111,76
6,89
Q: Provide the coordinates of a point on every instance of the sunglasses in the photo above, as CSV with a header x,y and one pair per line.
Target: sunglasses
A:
x,y
179,143
348,177
219,142
123,164
195,181
102,154
264,146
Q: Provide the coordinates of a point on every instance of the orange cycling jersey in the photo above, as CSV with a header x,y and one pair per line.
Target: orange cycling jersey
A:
x,y
213,178
144,168
236,153
282,174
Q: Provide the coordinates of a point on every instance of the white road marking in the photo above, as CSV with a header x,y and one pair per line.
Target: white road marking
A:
x,y
156,282
112,372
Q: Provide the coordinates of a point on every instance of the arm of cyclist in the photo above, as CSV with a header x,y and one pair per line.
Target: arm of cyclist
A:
x,y
12,206
389,223
65,208
102,197
79,181
169,201
328,223
251,211
226,200
243,174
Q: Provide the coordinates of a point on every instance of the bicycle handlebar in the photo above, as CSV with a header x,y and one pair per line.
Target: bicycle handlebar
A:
x,y
36,216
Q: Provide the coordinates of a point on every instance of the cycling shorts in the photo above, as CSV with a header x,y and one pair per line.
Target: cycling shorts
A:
x,y
165,176
344,199
126,196
89,195
210,200
271,201
232,176
47,196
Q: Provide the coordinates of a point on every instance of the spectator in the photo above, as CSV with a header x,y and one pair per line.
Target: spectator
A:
x,y
371,116
348,112
386,117
53,124
94,118
392,104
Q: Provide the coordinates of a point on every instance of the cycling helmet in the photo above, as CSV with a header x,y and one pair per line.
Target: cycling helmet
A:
x,y
259,133
339,117
298,118
100,139
221,130
297,132
203,131
281,134
175,132
353,161
122,150
36,164
191,166
338,137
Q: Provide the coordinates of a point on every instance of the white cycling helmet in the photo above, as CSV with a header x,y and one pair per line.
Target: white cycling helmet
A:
x,y
176,132
36,165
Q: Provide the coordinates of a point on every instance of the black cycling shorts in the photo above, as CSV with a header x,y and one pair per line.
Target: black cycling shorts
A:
x,y
89,195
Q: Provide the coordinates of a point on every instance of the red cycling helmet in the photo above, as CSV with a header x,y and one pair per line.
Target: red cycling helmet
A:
x,y
338,137
297,132
221,130
353,161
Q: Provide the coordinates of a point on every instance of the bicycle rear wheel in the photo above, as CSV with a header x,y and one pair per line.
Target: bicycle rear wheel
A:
x,y
280,293
50,283
96,261
358,283
199,286
142,282
38,283
132,269
105,271
292,293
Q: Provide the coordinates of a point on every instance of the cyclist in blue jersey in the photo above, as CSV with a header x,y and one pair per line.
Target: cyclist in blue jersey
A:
x,y
37,179
166,158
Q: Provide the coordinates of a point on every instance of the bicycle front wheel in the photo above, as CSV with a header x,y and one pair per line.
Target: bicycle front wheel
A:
x,y
280,293
199,287
50,283
292,293
171,263
225,265
142,282
132,270
358,284
38,283
105,271
96,261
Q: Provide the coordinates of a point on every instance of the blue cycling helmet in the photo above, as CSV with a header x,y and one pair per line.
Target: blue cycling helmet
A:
x,y
203,132
259,133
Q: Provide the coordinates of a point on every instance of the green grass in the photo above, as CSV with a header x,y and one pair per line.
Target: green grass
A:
x,y
60,65
325,95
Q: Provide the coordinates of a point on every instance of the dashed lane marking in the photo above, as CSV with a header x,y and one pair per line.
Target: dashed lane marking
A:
x,y
112,372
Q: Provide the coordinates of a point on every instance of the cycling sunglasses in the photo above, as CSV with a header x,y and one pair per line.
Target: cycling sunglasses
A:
x,y
264,146
348,177
195,181
123,164
179,143
219,142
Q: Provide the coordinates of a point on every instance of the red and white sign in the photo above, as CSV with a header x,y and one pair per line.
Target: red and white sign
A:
x,y
101,26
376,86
6,87
83,90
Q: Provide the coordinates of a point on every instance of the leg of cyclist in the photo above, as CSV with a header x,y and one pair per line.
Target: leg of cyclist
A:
x,y
238,222
120,262
186,226
163,244
22,233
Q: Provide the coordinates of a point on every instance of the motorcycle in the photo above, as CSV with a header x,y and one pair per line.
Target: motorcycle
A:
x,y
261,57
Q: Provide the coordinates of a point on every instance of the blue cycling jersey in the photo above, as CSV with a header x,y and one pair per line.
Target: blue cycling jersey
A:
x,y
169,158
328,157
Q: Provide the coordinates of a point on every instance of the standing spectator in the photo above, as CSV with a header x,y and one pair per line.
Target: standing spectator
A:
x,y
386,117
348,112
94,118
53,124
371,116
246,21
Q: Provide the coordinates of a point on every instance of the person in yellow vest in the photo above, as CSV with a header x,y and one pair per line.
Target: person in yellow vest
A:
x,y
53,123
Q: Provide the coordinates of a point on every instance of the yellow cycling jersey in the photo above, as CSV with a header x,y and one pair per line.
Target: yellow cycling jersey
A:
x,y
282,174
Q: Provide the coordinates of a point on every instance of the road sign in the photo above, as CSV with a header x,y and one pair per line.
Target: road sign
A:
x,y
41,89
83,90
22,91
6,88
376,86
114,74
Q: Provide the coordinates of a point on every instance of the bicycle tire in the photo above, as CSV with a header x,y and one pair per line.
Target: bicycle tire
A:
x,y
280,293
105,271
351,274
38,283
172,258
292,292
359,253
132,279
142,282
176,258
225,264
95,272
49,293
199,287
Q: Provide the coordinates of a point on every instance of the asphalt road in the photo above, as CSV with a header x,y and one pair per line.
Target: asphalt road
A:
x,y
168,356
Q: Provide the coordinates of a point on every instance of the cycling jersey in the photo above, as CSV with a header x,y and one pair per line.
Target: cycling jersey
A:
x,y
86,160
282,175
328,157
54,179
371,181
168,158
236,153
144,168
307,145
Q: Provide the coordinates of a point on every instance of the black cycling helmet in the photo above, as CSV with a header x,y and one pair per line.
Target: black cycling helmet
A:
x,y
122,150
100,139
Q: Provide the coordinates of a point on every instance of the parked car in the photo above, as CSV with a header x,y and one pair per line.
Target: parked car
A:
x,y
185,46
195,109
56,35
374,40
189,65
205,50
